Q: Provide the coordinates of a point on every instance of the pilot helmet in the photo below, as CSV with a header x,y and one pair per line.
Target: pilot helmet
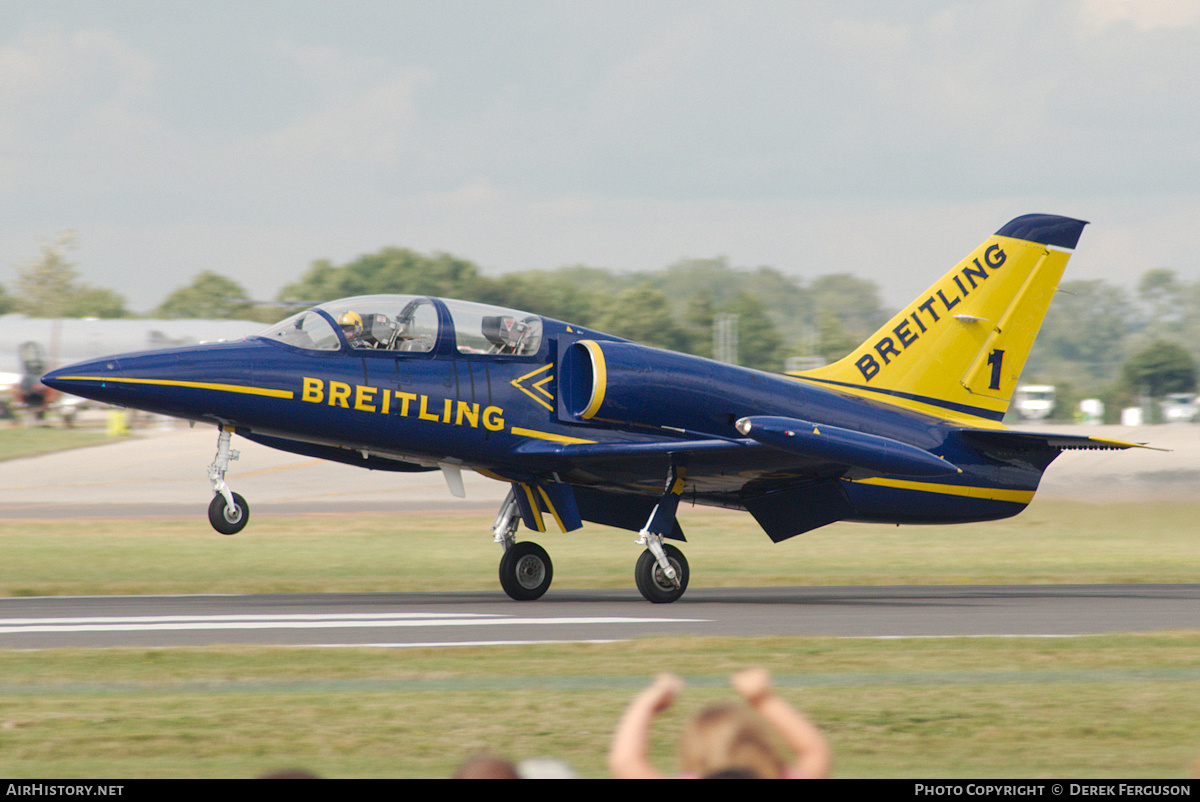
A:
x,y
352,325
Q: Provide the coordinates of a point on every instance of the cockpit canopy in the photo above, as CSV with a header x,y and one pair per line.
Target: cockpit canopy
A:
x,y
406,323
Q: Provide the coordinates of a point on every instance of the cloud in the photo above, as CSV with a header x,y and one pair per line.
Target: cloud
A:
x,y
72,102
1144,15
362,129
625,135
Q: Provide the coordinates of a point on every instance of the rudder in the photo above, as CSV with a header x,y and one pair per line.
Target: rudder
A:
x,y
959,348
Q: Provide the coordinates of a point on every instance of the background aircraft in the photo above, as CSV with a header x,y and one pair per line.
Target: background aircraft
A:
x,y
590,427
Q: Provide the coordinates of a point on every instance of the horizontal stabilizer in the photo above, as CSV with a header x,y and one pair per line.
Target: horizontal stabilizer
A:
x,y
1047,440
856,449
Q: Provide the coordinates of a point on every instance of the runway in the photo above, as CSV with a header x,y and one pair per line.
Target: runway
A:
x,y
485,618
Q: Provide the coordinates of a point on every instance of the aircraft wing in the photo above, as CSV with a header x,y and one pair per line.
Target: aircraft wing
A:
x,y
619,484
714,467
775,453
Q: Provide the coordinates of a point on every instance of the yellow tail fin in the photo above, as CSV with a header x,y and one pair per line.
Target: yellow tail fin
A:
x,y
959,348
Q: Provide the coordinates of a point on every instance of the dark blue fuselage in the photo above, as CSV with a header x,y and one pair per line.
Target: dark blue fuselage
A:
x,y
524,418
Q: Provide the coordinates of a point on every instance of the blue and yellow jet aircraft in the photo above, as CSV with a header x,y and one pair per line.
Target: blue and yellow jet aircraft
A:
x,y
589,427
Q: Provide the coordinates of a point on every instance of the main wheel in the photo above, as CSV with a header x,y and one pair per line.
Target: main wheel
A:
x,y
525,571
653,583
225,520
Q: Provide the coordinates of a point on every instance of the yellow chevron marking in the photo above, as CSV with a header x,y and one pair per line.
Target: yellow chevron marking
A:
x,y
538,386
517,383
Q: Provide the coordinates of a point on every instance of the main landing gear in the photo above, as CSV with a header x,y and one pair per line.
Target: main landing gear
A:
x,y
228,513
661,572
658,584
525,568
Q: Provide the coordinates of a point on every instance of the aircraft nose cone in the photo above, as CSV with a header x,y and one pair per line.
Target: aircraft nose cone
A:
x,y
199,381
75,378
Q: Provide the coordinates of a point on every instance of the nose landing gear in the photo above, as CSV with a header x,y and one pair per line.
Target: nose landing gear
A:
x,y
228,512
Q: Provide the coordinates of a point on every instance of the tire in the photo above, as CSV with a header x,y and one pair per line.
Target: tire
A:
x,y
525,571
226,521
653,583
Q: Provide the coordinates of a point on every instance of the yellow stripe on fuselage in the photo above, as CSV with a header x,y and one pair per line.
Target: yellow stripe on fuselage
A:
x,y
931,408
226,388
492,475
991,493
554,438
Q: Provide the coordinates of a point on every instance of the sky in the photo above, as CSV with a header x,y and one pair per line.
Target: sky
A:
x,y
884,139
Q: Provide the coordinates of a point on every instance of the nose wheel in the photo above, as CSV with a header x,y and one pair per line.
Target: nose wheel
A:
x,y
225,519
228,512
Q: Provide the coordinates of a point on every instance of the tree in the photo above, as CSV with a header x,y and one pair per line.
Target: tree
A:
x,y
699,321
1087,324
1163,295
88,301
852,301
1161,368
641,314
833,340
209,296
45,284
759,344
576,294
49,286
391,270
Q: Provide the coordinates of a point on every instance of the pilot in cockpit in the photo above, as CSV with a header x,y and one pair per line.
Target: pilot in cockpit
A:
x,y
369,330
352,327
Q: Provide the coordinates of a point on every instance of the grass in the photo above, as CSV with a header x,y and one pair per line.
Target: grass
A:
x,y
1052,542
1112,706
30,441
1088,707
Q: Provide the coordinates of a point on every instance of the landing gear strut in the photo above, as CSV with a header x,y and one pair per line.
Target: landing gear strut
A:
x,y
662,571
228,512
525,568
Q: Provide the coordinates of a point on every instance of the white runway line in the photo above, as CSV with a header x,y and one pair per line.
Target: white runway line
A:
x,y
301,621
